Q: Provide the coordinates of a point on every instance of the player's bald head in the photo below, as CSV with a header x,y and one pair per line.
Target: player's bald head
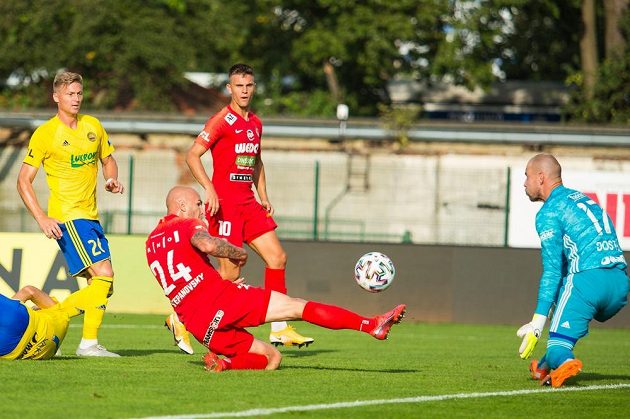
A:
x,y
546,164
179,195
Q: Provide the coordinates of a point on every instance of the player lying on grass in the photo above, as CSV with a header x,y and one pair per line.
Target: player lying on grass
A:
x,y
37,333
584,271
217,311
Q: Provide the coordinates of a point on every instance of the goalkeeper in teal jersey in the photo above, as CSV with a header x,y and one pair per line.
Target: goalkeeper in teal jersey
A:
x,y
584,271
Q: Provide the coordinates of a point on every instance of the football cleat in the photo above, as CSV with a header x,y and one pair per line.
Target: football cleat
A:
x,y
385,322
213,363
96,350
180,334
557,377
537,373
288,337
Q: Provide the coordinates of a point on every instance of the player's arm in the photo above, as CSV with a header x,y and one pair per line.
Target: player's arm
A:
x,y
110,173
37,296
49,226
260,181
193,160
219,248
552,260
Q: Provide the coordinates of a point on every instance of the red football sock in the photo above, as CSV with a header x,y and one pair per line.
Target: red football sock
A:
x,y
247,361
275,280
333,317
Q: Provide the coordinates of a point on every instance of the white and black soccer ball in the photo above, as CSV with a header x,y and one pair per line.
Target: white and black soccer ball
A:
x,y
374,272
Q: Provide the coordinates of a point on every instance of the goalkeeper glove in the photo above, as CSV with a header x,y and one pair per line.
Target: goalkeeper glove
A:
x,y
530,333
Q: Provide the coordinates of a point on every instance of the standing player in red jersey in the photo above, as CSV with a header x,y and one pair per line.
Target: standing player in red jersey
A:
x,y
234,137
216,310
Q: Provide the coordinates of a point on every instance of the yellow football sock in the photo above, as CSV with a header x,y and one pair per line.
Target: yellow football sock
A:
x,y
95,305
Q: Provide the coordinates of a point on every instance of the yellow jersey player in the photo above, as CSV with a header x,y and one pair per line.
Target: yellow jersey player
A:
x,y
37,333
69,146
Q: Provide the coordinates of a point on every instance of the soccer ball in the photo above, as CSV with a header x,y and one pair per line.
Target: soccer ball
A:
x,y
374,272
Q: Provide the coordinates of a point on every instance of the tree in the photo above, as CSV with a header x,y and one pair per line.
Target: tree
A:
x,y
361,45
132,54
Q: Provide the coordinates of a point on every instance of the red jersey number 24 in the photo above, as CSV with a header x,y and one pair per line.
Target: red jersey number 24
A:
x,y
175,272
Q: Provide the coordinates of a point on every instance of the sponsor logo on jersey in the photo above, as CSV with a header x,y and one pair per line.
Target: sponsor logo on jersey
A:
x,y
566,325
609,260
83,159
238,177
238,131
546,235
246,148
250,135
213,326
230,118
247,161
65,143
91,136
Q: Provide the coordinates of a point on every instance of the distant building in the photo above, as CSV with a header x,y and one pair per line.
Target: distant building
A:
x,y
524,101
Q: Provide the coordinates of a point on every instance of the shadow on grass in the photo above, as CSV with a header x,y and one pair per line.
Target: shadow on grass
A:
x,y
321,368
147,352
593,376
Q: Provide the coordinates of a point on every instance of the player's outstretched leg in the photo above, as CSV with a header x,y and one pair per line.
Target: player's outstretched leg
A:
x,y
179,332
385,322
333,317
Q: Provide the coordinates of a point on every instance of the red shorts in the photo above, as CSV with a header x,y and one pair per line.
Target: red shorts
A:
x,y
238,223
220,325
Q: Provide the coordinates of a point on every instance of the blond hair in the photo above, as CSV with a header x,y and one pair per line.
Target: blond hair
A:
x,y
66,78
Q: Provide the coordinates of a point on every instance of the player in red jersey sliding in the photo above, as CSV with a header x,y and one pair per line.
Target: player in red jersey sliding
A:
x,y
217,311
234,137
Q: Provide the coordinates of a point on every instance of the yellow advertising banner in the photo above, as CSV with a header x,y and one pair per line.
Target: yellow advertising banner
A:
x,y
32,259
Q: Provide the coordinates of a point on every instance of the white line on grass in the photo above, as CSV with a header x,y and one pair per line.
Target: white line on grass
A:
x,y
359,403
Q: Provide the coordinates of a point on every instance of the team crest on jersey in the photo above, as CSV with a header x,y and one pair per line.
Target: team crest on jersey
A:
x,y
230,118
250,135
91,136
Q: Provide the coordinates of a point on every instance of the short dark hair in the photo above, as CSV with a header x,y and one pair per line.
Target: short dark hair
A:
x,y
241,69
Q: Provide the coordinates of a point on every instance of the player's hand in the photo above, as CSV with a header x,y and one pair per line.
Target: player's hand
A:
x,y
114,186
267,206
530,333
240,261
50,227
212,201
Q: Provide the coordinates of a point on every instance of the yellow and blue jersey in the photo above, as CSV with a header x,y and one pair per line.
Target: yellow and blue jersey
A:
x,y
45,331
70,159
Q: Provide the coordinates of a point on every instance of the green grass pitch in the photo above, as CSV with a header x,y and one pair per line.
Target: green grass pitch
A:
x,y
423,370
